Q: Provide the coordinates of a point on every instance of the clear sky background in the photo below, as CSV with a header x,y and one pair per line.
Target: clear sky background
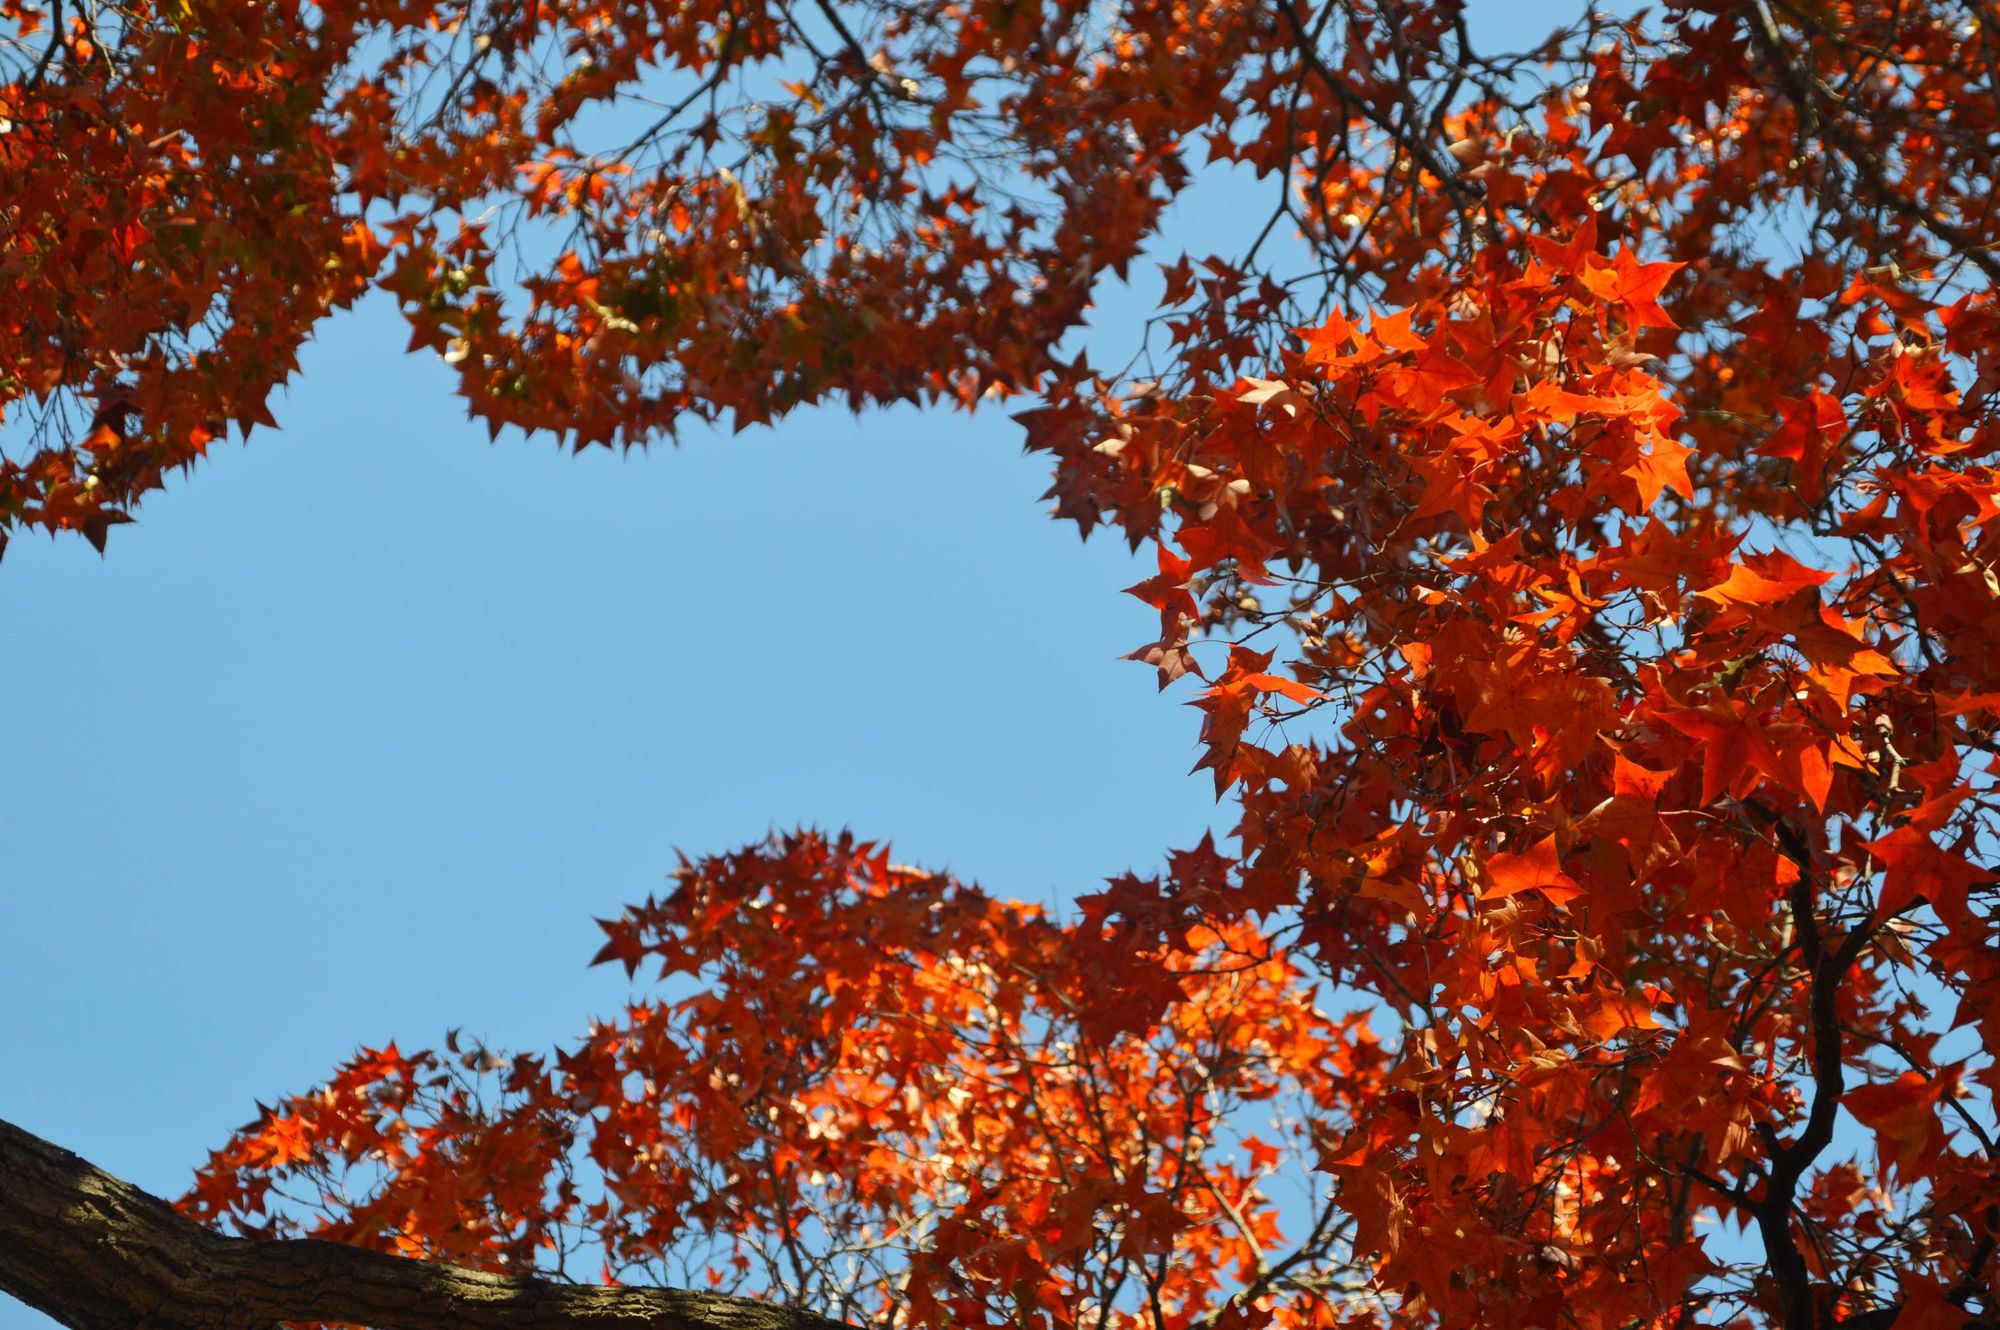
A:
x,y
353,733
350,737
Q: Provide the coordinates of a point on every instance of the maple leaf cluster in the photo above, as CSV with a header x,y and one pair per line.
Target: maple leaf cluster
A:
x,y
1635,746
884,1093
605,218
1584,561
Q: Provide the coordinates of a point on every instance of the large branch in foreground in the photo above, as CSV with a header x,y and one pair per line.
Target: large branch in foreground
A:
x,y
95,1253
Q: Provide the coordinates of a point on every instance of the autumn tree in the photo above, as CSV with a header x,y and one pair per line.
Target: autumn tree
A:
x,y
1574,504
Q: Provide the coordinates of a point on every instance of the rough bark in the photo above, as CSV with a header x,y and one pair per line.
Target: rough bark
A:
x,y
97,1253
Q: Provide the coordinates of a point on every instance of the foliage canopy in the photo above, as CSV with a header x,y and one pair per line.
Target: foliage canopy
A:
x,y
1587,566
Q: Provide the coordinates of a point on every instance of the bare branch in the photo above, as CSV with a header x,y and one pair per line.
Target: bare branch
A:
x,y
95,1253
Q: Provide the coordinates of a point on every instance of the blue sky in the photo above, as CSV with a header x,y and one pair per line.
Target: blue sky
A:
x,y
353,733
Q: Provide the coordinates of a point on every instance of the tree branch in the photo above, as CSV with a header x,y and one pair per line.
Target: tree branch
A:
x,y
1790,1161
95,1253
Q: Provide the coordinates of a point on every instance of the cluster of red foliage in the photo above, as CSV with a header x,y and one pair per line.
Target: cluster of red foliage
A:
x,y
887,1091
1603,535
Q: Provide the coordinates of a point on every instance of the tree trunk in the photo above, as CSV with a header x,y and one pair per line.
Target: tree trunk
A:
x,y
97,1253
